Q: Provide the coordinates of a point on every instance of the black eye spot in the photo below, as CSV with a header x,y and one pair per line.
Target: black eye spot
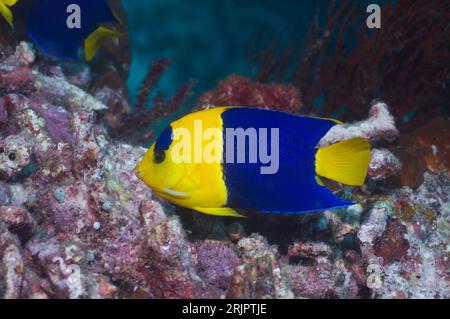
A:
x,y
12,156
2,150
160,156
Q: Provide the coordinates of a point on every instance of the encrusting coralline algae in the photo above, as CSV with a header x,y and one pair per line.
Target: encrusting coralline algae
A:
x,y
75,222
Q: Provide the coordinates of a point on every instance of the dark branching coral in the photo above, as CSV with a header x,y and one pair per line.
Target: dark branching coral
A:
x,y
142,117
343,65
154,74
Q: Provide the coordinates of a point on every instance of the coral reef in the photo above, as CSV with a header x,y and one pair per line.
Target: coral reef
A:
x,y
379,125
407,235
259,275
75,222
424,149
216,261
119,119
240,91
339,72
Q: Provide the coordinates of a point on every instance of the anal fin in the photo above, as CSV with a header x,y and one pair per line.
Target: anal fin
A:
x,y
319,181
218,211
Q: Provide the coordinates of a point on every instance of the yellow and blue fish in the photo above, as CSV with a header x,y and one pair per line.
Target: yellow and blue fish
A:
x,y
47,24
229,187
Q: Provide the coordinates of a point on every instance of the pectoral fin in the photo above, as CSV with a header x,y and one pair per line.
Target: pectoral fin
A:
x,y
95,39
218,211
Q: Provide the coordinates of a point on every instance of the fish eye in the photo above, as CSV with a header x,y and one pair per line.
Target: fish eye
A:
x,y
160,156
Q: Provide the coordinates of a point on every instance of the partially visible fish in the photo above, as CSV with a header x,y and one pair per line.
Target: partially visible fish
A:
x,y
47,24
5,10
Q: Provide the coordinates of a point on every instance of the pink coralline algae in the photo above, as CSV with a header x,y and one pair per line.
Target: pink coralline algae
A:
x,y
57,120
217,261
171,265
15,155
259,275
18,220
379,126
383,164
240,91
406,235
75,221
393,245
424,149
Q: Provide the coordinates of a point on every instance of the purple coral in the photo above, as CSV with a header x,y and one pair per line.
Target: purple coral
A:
x,y
216,262
240,91
94,213
58,122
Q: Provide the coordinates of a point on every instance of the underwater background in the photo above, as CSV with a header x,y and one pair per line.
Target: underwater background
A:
x,y
75,221
209,40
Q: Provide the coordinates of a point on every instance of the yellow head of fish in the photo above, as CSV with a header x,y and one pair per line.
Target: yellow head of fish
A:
x,y
158,169
174,170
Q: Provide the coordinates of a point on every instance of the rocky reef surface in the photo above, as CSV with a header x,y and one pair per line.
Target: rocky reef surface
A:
x,y
75,222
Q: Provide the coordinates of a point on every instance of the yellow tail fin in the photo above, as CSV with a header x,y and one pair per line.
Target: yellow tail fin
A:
x,y
94,40
345,162
6,12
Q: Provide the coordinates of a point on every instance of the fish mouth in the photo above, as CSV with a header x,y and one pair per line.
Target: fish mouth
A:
x,y
165,191
138,172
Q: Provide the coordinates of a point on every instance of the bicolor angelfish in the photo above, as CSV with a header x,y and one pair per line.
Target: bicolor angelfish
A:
x,y
60,28
229,187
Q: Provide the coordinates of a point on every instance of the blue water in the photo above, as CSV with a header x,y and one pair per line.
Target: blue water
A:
x,y
207,39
